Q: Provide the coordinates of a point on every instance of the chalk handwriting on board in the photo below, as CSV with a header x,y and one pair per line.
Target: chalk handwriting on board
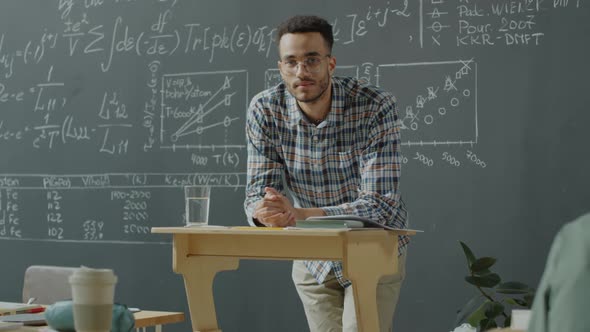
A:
x,y
96,94
134,199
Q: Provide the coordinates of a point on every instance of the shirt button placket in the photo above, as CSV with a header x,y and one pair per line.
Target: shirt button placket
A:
x,y
317,156
316,148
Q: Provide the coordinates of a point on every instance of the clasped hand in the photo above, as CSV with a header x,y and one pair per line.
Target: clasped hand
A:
x,y
275,210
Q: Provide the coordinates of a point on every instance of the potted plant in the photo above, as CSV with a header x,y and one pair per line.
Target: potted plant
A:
x,y
493,304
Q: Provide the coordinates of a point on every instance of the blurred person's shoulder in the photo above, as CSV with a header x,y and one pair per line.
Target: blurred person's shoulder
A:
x,y
576,232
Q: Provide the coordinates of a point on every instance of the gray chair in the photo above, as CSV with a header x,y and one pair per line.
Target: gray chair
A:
x,y
47,284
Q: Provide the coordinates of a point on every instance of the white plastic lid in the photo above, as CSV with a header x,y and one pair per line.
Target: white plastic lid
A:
x,y
88,275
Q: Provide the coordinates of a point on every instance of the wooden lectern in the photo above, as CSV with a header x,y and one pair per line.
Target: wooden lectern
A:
x,y
199,253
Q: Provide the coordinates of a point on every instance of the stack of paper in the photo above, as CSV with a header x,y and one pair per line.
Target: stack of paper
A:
x,y
25,319
328,223
14,307
4,326
344,221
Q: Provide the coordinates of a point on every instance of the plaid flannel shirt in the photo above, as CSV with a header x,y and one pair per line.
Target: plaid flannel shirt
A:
x,y
348,164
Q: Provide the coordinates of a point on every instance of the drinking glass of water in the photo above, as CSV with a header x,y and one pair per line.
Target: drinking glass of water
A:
x,y
197,205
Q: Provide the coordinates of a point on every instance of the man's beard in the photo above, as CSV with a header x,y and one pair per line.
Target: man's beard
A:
x,y
322,85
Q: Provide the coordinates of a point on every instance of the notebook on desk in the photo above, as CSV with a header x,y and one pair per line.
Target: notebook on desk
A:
x,y
5,326
345,221
15,307
328,223
25,319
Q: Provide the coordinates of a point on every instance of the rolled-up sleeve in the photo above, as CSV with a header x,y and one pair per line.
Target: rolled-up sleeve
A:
x,y
265,166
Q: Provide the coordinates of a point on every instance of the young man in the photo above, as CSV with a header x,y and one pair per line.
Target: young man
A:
x,y
335,143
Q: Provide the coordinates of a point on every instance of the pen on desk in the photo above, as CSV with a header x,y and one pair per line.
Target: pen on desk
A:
x,y
34,310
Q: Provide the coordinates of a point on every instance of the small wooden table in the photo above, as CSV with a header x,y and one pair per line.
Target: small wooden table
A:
x,y
143,320
199,253
147,318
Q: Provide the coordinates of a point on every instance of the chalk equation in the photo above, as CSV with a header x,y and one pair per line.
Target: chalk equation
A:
x,y
123,102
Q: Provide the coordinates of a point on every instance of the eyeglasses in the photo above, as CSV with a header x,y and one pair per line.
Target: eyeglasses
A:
x,y
311,63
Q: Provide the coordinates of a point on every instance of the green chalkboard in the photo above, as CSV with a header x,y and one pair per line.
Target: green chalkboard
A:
x,y
109,107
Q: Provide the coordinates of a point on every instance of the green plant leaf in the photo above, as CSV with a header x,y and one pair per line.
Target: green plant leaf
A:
x,y
481,273
493,309
510,301
487,324
468,309
486,281
508,321
468,254
520,302
513,287
478,315
482,264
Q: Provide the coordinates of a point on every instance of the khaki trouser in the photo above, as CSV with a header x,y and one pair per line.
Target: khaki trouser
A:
x,y
330,308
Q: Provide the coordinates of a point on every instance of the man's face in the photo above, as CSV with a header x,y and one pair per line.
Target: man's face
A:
x,y
306,65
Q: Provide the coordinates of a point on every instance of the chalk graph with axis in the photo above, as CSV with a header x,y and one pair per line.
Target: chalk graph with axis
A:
x,y
203,109
437,101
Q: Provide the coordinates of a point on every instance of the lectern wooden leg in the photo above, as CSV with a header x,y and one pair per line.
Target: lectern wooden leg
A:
x,y
198,281
364,263
198,273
